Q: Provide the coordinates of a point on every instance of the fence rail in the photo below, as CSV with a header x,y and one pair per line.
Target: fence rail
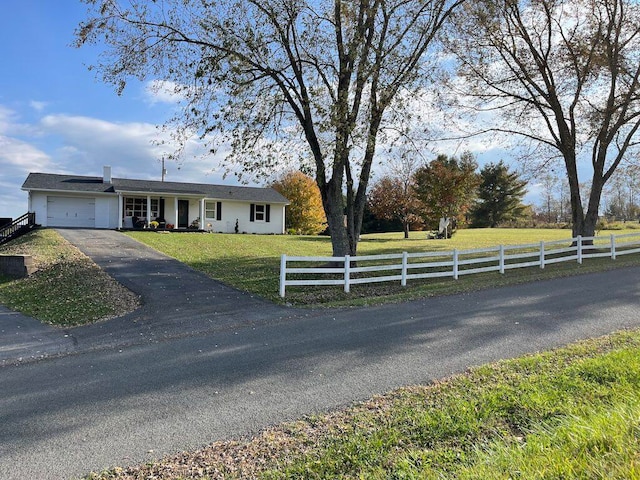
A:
x,y
403,267
17,227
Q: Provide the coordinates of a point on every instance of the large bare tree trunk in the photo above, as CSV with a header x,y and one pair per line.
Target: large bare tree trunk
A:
x,y
333,203
584,224
591,217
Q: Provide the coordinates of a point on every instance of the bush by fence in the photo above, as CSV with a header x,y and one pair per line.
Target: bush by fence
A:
x,y
403,267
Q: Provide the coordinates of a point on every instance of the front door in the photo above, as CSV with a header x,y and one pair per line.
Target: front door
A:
x,y
183,213
162,209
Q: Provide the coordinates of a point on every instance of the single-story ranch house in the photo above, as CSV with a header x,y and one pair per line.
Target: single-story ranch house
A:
x,y
95,202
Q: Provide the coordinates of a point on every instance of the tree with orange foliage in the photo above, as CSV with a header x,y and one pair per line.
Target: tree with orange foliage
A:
x,y
392,199
447,187
305,215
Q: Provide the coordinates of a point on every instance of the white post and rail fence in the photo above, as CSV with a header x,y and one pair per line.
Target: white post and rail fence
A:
x,y
404,267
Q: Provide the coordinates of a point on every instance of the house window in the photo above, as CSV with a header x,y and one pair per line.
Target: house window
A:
x,y
260,213
137,207
213,210
210,209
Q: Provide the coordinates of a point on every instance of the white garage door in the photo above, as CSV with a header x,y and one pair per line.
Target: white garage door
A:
x,y
71,212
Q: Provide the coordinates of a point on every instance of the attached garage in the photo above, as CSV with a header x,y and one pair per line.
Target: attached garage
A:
x,y
71,212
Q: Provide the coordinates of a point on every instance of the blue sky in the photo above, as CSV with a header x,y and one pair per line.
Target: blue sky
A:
x,y
56,117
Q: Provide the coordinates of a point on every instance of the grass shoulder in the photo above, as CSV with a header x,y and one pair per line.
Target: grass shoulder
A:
x,y
251,262
570,413
68,289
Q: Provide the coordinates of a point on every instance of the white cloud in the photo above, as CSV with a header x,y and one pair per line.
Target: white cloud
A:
x,y
38,106
17,159
19,155
163,91
82,145
7,118
133,150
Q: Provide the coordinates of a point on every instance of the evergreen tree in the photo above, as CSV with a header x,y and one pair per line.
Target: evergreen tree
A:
x,y
499,196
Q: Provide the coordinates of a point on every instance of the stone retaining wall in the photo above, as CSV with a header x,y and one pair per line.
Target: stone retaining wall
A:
x,y
17,265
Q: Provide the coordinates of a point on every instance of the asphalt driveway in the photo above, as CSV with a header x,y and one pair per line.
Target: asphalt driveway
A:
x,y
177,301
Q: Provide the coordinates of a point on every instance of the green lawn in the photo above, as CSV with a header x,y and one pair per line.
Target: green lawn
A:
x,y
251,262
570,414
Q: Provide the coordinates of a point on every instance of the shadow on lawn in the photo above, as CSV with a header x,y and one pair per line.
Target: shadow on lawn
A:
x,y
384,246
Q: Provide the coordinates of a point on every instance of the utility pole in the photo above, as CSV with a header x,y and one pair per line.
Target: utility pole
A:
x,y
164,170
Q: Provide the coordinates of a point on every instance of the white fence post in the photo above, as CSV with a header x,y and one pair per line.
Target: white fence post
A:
x,y
347,272
403,280
613,247
580,249
437,268
455,264
283,274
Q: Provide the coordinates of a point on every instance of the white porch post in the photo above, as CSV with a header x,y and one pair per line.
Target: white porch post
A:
x,y
120,211
175,210
284,220
202,222
148,210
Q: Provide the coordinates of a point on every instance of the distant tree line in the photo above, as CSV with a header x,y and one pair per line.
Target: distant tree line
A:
x,y
622,196
447,187
620,199
416,196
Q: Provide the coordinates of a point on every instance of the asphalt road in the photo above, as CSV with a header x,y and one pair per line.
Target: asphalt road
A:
x,y
63,417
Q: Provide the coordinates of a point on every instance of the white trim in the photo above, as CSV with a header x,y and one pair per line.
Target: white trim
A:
x,y
157,194
264,212
62,193
120,210
215,207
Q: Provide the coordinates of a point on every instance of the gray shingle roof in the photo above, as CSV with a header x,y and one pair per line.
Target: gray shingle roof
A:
x,y
81,184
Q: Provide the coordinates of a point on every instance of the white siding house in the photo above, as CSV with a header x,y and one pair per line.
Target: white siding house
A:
x,y
115,203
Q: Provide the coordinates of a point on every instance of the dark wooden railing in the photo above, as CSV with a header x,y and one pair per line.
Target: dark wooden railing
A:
x,y
19,226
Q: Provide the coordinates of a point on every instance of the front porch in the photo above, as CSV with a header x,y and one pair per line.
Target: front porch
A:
x,y
138,212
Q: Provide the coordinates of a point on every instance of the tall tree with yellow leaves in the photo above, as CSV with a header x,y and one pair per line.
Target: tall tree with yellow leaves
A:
x,y
305,215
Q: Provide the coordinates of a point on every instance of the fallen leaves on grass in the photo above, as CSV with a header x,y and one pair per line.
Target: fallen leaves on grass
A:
x,y
230,459
68,289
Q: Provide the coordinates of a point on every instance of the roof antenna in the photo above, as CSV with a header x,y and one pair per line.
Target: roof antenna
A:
x,y
164,170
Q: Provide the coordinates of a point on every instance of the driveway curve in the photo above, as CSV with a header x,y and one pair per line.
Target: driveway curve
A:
x,y
177,300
